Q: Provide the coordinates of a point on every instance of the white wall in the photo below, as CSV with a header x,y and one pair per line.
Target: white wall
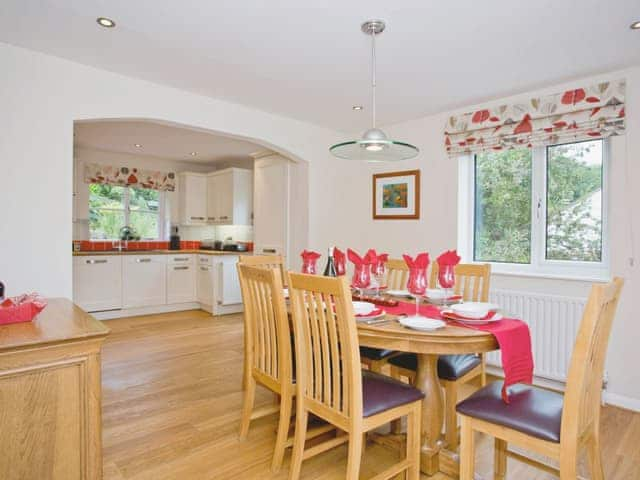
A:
x,y
41,96
343,202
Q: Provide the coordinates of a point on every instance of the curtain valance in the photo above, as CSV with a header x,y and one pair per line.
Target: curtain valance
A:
x,y
131,177
584,113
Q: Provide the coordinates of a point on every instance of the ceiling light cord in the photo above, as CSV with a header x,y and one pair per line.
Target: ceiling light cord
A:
x,y
373,77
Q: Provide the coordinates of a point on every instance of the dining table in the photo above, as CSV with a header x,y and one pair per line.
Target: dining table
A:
x,y
428,346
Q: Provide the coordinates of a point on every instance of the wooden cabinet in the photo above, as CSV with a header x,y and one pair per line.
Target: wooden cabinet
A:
x,y
97,282
192,192
181,279
144,280
230,197
50,394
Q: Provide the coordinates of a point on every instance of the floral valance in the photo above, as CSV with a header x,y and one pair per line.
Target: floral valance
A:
x,y
584,113
132,177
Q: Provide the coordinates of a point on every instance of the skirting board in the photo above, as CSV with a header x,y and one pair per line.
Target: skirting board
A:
x,y
134,312
609,398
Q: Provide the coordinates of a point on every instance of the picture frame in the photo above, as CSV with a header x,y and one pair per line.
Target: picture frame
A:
x,y
396,195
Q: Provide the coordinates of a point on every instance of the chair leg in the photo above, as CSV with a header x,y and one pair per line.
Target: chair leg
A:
x,y
355,455
247,407
500,460
283,431
467,450
483,369
450,415
298,444
414,426
595,457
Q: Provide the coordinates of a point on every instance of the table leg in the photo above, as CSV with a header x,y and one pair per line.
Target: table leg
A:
x,y
432,412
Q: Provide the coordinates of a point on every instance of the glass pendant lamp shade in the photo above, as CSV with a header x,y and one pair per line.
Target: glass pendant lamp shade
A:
x,y
374,146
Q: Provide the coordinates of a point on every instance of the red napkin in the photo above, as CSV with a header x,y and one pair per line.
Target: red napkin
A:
x,y
513,336
354,257
372,313
455,316
421,260
309,259
22,308
371,257
340,260
450,257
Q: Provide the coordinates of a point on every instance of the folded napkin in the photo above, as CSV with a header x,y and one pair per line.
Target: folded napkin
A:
x,y
454,316
340,260
355,258
372,313
421,260
513,337
371,257
309,259
450,257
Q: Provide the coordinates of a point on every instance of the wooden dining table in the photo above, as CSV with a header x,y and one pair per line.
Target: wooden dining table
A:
x,y
435,457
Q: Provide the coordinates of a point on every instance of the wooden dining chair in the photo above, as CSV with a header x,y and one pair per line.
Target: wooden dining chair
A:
x,y
331,384
549,423
268,354
264,261
376,358
472,283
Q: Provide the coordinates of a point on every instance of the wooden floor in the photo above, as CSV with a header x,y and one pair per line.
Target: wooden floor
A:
x,y
172,400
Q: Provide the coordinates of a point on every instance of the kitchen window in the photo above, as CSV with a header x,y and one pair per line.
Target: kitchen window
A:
x,y
111,207
537,211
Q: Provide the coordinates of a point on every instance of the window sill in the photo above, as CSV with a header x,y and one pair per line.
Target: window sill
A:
x,y
575,277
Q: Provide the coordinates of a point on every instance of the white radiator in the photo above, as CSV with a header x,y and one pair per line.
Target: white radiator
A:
x,y
554,321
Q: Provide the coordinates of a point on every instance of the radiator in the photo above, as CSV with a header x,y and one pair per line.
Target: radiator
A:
x,y
554,321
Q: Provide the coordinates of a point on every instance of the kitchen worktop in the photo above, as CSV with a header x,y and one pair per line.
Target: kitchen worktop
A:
x,y
158,252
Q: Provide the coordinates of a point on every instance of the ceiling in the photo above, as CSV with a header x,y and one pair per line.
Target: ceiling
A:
x,y
162,141
309,60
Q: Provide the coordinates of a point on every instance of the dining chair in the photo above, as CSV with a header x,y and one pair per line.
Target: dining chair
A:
x,y
264,261
472,283
331,384
376,358
548,423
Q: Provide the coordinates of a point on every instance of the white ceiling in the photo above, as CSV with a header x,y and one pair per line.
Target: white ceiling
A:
x,y
162,141
310,61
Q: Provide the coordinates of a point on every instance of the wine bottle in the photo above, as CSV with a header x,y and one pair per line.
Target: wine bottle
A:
x,y
1,291
330,269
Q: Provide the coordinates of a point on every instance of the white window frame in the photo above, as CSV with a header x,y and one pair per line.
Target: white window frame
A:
x,y
540,266
127,212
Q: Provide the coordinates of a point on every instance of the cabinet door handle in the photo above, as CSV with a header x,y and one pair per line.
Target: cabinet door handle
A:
x,y
181,268
91,262
143,260
197,218
211,218
268,250
224,218
178,259
204,269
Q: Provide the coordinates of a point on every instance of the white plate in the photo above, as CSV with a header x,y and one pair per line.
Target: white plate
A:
x,y
422,324
372,317
468,321
473,310
435,293
399,293
285,291
363,308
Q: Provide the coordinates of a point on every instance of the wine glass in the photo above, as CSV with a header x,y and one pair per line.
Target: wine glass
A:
x,y
446,279
417,286
361,277
379,272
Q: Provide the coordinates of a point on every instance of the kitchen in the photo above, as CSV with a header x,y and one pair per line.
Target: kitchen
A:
x,y
148,247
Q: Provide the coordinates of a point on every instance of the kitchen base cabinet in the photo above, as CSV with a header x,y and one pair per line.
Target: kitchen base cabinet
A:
x,y
97,282
144,280
181,279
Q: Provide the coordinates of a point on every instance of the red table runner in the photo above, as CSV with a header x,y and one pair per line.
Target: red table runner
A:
x,y
512,335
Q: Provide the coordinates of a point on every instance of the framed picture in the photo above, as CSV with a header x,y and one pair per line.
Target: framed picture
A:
x,y
396,195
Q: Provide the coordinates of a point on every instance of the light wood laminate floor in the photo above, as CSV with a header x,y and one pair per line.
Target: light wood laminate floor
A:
x,y
171,410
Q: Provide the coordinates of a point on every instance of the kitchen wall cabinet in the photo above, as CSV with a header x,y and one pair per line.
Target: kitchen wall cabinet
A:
x,y
230,197
144,281
97,282
181,279
192,194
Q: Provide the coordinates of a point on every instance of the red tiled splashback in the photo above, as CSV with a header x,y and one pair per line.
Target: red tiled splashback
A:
x,y
102,246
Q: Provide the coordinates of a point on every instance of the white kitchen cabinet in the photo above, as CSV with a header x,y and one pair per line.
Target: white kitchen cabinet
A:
x,y
144,280
181,279
97,282
230,197
204,285
192,192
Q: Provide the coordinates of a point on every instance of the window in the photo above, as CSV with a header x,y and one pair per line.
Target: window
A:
x,y
112,207
538,210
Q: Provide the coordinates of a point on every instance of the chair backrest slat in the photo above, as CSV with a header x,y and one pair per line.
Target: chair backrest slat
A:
x,y
472,281
326,344
397,274
268,346
584,384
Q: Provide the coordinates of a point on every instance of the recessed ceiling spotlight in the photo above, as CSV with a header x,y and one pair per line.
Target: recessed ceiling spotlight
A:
x,y
105,22
137,145
193,154
357,107
635,25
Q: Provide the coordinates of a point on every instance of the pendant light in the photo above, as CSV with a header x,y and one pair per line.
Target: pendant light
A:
x,y
374,146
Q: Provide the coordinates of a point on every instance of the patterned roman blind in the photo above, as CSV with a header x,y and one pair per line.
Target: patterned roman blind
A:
x,y
131,177
584,113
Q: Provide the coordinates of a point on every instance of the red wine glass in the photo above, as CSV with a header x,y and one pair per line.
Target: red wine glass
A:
x,y
309,266
361,277
417,285
379,272
446,279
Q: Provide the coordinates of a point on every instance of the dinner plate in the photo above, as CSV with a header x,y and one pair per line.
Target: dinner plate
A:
x,y
471,321
422,324
474,310
367,318
363,308
399,293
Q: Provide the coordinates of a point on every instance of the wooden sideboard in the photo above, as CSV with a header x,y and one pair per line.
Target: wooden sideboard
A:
x,y
50,395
